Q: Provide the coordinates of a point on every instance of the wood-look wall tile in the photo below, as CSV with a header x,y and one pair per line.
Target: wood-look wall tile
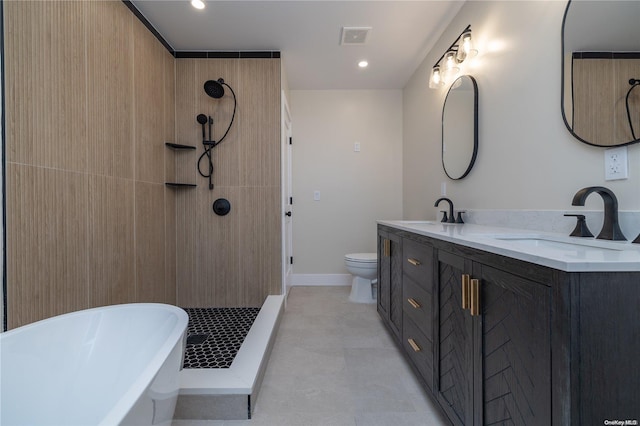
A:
x,y
259,132
169,105
46,87
110,96
111,262
188,293
170,245
259,244
225,155
46,243
150,242
593,124
188,131
149,113
237,257
218,259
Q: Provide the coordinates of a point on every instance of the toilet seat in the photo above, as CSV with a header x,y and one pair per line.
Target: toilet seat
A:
x,y
362,257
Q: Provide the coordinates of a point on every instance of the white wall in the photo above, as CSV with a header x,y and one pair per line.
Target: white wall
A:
x,y
356,188
527,159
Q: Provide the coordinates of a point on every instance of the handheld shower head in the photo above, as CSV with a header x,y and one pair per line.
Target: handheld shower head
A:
x,y
202,119
214,88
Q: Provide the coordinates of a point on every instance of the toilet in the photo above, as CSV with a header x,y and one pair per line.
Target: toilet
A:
x,y
364,268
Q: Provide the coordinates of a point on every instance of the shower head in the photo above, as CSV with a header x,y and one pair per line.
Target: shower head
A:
x,y
634,81
214,88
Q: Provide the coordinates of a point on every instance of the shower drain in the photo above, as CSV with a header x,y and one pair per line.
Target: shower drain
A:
x,y
214,335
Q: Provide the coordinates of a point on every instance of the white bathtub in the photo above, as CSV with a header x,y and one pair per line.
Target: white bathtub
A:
x,y
104,366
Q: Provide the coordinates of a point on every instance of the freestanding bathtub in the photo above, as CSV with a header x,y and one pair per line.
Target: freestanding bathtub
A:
x,y
104,366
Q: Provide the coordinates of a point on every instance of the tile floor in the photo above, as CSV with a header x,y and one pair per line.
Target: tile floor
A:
x,y
334,364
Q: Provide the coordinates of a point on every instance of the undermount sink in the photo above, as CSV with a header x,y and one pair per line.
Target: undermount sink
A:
x,y
548,243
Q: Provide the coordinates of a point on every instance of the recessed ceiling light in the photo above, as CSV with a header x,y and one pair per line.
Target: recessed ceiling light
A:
x,y
363,64
198,4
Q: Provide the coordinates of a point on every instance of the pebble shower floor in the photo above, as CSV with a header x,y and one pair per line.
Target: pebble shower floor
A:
x,y
214,335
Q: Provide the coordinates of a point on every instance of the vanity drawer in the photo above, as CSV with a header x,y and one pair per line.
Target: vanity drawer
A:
x,y
417,304
418,262
419,349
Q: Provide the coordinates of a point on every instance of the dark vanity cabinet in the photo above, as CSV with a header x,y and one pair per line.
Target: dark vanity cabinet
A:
x,y
494,344
496,340
389,300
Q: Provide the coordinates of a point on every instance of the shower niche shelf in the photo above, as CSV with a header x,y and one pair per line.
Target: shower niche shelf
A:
x,y
179,147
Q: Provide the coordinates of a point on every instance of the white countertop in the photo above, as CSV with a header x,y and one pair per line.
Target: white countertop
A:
x,y
571,254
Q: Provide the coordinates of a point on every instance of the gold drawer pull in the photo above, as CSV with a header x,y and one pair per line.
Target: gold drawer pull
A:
x,y
413,303
414,345
414,262
475,297
465,291
387,247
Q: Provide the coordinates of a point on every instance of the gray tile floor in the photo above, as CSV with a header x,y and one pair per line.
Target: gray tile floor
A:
x,y
334,364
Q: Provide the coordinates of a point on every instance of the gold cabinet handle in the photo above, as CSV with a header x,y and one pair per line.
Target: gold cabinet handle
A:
x,y
475,297
387,247
465,291
414,262
413,303
414,345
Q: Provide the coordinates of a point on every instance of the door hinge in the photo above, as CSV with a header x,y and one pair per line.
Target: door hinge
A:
x,y
291,200
291,260
290,141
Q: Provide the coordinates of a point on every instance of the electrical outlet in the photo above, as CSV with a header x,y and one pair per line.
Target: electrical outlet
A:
x,y
316,195
356,147
616,165
443,189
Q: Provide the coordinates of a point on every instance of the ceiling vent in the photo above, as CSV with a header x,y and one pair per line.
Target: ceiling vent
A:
x,y
354,35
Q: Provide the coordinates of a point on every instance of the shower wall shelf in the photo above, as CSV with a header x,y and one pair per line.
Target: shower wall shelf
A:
x,y
180,185
179,147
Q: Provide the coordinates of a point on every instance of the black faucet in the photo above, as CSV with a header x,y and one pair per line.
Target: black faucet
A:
x,y
610,228
451,218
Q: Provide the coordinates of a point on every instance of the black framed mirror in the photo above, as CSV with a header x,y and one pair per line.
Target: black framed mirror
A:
x,y
601,71
460,128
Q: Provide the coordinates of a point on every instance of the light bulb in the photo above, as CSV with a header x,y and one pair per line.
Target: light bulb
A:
x,y
198,4
466,50
363,64
435,80
451,68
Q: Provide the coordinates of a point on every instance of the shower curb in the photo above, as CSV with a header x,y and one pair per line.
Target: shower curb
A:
x,y
230,393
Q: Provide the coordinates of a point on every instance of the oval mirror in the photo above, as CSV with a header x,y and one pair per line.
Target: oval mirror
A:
x,y
601,71
460,128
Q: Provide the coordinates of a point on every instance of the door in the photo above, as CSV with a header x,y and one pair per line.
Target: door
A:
x,y
516,349
454,356
287,198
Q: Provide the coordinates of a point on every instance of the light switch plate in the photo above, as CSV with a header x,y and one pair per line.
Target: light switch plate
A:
x,y
616,165
316,195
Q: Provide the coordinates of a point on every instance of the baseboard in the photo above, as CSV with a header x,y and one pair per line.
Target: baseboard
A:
x,y
321,279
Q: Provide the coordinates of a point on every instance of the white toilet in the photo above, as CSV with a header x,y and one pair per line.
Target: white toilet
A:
x,y
364,268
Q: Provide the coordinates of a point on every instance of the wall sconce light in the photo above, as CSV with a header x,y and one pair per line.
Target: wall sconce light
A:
x,y
446,68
